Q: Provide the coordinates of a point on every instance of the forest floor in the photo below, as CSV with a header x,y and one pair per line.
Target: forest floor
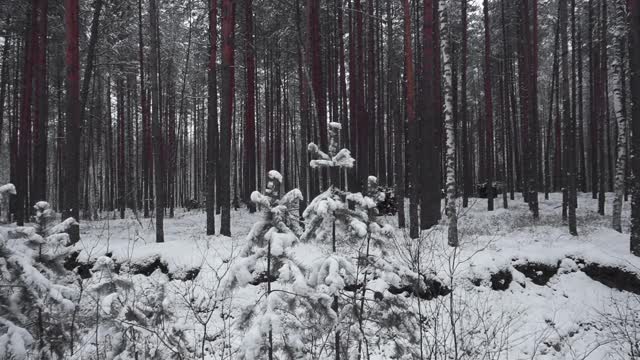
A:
x,y
521,290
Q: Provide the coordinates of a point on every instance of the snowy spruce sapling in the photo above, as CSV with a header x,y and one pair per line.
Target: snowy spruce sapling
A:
x,y
349,221
131,315
287,307
36,293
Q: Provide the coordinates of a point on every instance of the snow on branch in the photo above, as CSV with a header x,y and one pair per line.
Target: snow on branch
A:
x,y
8,189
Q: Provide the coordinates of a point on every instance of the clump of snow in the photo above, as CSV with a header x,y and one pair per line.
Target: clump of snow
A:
x,y
273,174
291,196
260,200
280,242
320,163
335,125
14,341
8,189
343,159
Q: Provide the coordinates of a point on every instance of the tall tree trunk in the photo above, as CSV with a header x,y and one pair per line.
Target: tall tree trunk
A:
x,y
396,121
249,130
159,165
527,85
317,80
618,101
549,184
72,153
602,101
4,82
488,104
40,118
146,133
212,121
580,130
449,126
634,64
593,127
467,189
226,114
24,140
120,107
430,191
362,121
567,119
411,120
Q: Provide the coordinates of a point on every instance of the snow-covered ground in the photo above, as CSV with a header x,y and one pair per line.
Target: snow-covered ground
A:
x,y
570,316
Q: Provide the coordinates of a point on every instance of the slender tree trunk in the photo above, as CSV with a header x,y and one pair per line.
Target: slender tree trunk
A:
x,y
467,189
411,119
72,153
593,127
24,140
249,130
317,80
633,9
40,118
449,126
429,128
4,82
602,114
121,137
567,119
226,114
618,101
488,104
212,121
549,184
527,88
159,165
146,142
580,130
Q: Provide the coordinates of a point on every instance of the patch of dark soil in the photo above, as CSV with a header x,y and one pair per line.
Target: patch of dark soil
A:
x,y
501,280
262,277
430,289
538,273
146,266
352,287
71,263
613,277
142,267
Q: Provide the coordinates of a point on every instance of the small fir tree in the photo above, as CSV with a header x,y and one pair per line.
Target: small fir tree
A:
x,y
130,317
36,290
349,222
289,308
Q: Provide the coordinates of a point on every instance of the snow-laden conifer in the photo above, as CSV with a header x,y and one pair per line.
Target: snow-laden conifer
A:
x,y
288,308
36,297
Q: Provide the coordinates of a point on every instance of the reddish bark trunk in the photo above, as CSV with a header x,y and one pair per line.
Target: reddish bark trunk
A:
x,y
227,114
249,130
39,170
429,165
488,104
72,158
